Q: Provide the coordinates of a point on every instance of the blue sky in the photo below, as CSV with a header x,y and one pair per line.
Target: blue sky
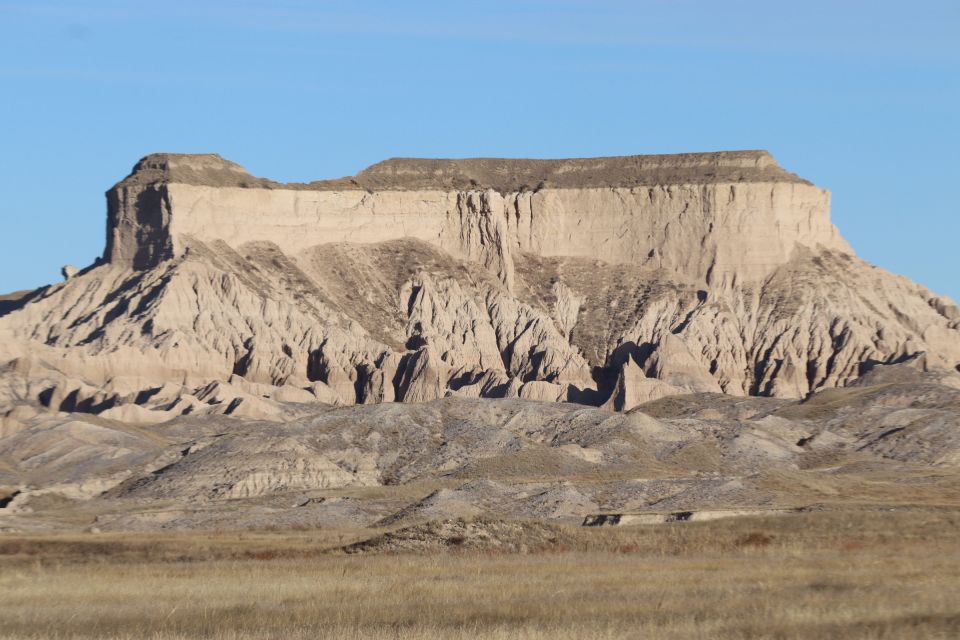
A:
x,y
863,98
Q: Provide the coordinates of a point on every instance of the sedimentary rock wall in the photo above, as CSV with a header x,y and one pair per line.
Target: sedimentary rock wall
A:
x,y
717,218
609,281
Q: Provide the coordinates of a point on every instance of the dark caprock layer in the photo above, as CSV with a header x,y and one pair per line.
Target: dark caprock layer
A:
x,y
502,174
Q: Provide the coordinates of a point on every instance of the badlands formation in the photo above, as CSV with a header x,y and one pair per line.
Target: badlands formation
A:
x,y
564,337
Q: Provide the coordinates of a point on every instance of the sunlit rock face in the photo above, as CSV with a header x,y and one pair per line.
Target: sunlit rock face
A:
x,y
606,281
719,218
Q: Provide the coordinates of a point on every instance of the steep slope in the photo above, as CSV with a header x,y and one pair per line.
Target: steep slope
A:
x,y
720,218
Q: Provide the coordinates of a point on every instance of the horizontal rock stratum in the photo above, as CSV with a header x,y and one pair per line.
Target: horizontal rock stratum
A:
x,y
719,218
605,281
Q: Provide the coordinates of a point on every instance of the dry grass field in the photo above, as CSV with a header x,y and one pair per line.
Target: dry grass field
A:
x,y
833,574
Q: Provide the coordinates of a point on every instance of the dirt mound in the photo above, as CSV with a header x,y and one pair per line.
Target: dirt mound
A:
x,y
473,535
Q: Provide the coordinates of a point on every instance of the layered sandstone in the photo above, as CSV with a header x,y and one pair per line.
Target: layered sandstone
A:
x,y
608,281
716,218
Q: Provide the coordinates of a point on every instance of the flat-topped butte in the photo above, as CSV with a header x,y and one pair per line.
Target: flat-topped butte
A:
x,y
603,295
717,218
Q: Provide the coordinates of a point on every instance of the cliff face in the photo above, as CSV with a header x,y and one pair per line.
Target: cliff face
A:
x,y
602,281
716,218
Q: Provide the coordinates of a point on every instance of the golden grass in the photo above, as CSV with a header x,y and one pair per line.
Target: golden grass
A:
x,y
865,574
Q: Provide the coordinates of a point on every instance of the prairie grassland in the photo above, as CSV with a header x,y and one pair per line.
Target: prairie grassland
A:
x,y
858,574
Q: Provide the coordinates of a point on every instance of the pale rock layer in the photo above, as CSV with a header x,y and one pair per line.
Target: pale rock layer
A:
x,y
710,230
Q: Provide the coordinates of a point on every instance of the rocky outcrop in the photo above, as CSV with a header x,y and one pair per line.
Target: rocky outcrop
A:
x,y
633,388
718,218
603,281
